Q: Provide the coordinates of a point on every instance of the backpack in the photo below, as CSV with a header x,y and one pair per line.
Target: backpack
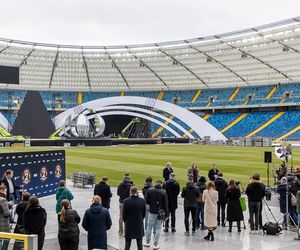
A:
x,y
271,228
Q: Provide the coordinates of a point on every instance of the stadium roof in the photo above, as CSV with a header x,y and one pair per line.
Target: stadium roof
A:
x,y
255,56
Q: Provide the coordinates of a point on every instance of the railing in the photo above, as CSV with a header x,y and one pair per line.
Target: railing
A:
x,y
30,241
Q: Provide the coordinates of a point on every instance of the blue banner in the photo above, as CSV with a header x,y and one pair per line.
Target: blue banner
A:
x,y
39,172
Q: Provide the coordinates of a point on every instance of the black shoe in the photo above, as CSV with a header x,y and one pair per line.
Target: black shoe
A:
x,y
223,224
218,223
212,238
207,237
166,230
229,231
173,230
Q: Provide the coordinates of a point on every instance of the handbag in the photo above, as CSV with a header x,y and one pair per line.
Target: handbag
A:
x,y
243,204
293,200
161,215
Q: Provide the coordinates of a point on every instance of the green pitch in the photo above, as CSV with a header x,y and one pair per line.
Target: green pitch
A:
x,y
140,161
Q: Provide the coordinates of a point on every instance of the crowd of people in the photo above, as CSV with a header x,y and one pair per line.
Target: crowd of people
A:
x,y
209,204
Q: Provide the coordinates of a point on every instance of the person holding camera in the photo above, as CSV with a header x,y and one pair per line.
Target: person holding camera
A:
x,y
158,202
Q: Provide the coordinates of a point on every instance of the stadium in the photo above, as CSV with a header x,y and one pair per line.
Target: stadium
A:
x,y
224,99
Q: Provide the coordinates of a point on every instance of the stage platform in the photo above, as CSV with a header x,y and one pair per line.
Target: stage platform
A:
x,y
79,142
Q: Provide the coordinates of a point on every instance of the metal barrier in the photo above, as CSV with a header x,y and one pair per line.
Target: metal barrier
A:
x,y
30,241
83,178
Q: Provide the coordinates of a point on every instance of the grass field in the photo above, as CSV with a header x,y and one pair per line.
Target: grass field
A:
x,y
148,160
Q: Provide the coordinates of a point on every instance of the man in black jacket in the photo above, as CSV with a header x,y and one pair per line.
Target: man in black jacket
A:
x,y
148,184
255,192
190,193
103,190
123,192
213,172
221,186
167,171
157,199
173,189
11,187
134,210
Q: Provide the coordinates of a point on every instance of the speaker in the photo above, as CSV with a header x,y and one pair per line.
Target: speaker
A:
x,y
268,157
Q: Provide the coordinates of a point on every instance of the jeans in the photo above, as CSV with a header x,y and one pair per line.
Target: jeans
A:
x,y
155,225
221,206
147,216
11,197
139,243
254,207
173,219
298,219
187,211
121,230
200,214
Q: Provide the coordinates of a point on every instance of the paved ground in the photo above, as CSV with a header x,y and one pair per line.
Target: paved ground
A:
x,y
174,241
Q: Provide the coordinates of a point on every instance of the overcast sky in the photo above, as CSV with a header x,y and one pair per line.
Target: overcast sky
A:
x,y
120,22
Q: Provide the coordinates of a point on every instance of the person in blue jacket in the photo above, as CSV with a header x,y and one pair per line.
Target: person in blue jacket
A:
x,y
96,222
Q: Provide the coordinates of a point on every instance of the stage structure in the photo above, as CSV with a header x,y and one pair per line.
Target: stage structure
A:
x,y
39,172
153,110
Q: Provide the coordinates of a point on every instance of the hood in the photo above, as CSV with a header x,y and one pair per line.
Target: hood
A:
x,y
172,182
190,185
126,183
60,190
158,186
96,208
148,185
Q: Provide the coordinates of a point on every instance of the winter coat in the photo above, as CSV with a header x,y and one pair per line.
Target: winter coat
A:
x,y
5,182
194,172
62,193
167,172
281,190
103,190
157,199
173,189
221,186
69,229
96,222
4,215
21,207
212,173
210,198
255,191
234,209
134,211
35,219
190,193
298,201
201,186
124,190
146,187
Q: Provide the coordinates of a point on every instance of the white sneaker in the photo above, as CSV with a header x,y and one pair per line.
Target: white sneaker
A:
x,y
156,247
146,244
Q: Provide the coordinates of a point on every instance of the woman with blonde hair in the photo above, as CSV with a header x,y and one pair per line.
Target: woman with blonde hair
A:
x,y
68,230
210,198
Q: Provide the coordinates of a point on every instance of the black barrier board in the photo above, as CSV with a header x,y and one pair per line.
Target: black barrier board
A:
x,y
39,171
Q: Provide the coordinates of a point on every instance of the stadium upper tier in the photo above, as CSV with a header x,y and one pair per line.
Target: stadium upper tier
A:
x,y
261,55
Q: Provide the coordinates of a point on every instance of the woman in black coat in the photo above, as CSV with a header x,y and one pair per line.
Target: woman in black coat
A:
x,y
34,220
68,230
234,209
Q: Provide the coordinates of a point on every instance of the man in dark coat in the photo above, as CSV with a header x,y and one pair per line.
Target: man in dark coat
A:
x,y
221,186
201,184
190,193
96,222
134,210
148,184
123,192
167,171
11,186
158,200
173,189
103,190
213,172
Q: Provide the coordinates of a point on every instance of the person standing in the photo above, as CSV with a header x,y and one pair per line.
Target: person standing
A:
x,y
4,214
102,189
193,172
210,198
158,201
190,193
298,211
148,184
35,219
123,193
234,209
68,230
221,186
11,186
201,184
167,171
281,190
96,221
172,188
134,210
213,172
255,192
62,193
19,228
